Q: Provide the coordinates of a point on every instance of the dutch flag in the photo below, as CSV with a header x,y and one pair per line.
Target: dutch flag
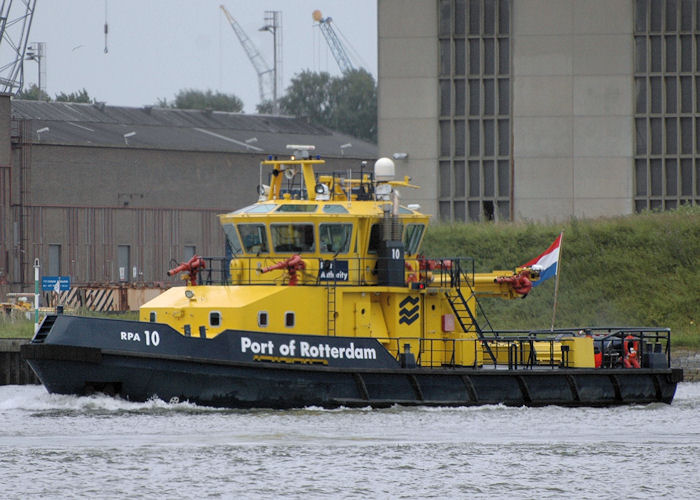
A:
x,y
548,261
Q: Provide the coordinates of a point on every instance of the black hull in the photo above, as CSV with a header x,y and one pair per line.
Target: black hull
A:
x,y
174,376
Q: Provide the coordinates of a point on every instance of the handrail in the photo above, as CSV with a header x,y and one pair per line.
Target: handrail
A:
x,y
342,271
522,349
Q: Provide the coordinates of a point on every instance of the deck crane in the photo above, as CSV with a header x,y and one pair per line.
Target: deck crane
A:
x,y
341,57
14,33
266,75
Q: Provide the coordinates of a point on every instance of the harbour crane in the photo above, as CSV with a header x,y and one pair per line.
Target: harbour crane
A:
x,y
339,53
266,76
14,33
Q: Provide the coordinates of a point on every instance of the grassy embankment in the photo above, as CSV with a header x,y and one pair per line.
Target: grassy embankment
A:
x,y
640,270
15,328
19,328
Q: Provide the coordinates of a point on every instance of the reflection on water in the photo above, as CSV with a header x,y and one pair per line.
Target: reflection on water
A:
x,y
65,446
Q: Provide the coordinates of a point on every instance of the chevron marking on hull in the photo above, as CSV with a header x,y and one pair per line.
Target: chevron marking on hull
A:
x,y
408,316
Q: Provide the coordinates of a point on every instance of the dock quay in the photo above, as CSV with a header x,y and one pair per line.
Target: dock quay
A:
x,y
13,369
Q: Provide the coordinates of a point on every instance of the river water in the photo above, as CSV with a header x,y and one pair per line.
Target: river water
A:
x,y
55,446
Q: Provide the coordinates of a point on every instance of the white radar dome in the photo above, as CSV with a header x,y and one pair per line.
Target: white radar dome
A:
x,y
384,169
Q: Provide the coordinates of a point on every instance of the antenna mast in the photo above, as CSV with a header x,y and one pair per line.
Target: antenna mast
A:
x,y
273,24
37,52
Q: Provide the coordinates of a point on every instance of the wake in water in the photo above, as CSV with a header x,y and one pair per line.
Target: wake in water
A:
x,y
34,398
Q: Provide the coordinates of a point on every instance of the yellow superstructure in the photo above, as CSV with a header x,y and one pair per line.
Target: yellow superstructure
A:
x,y
323,254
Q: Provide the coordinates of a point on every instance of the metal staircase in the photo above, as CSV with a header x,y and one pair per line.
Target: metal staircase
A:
x,y
460,306
44,329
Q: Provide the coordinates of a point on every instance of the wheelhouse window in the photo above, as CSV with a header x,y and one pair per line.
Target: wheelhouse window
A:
x,y
292,237
262,318
335,238
335,209
297,208
232,239
256,209
412,235
254,238
375,237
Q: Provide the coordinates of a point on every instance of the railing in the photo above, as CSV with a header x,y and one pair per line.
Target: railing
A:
x,y
610,343
352,271
446,272
521,349
216,271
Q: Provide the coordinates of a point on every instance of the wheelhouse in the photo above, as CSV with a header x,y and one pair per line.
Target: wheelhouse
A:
x,y
321,218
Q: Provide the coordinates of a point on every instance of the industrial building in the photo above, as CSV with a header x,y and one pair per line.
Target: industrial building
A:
x,y
108,194
499,109
542,109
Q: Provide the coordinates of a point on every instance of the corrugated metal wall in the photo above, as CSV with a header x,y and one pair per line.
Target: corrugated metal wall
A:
x,y
5,224
90,200
88,241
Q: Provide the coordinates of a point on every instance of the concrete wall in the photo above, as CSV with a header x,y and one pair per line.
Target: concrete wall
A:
x,y
689,361
138,178
408,94
13,369
572,89
572,108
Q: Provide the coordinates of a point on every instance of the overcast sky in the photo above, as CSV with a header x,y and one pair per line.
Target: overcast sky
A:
x,y
157,47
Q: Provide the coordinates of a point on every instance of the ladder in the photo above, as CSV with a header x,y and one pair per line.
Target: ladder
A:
x,y
464,314
331,288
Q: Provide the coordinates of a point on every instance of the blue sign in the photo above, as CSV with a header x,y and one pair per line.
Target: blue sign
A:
x,y
333,270
48,283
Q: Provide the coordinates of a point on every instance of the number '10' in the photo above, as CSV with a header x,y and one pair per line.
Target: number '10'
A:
x,y
152,338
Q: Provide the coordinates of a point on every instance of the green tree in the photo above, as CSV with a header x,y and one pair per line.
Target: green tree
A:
x,y
198,99
308,95
33,93
264,108
354,109
79,96
346,103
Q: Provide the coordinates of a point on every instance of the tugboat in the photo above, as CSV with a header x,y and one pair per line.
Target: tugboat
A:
x,y
326,300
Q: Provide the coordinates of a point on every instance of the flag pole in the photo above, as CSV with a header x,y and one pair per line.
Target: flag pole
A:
x,y
556,282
